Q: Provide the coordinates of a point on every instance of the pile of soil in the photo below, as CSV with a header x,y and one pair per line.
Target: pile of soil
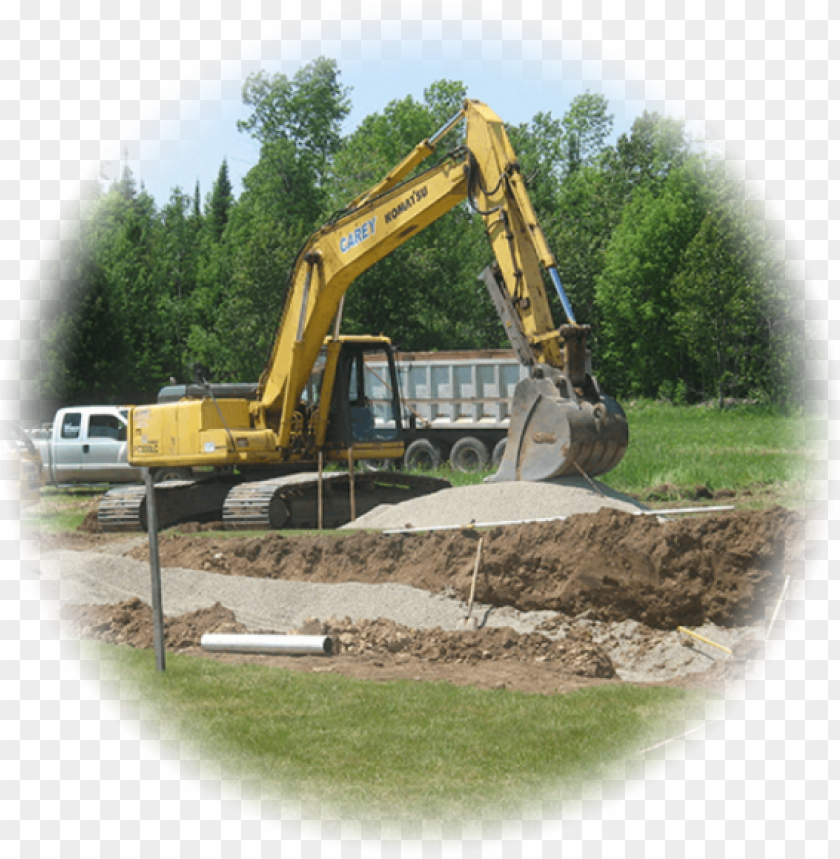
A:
x,y
384,651
617,566
385,637
620,584
130,622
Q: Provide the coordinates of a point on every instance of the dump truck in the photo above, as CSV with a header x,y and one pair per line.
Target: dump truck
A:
x,y
456,406
313,401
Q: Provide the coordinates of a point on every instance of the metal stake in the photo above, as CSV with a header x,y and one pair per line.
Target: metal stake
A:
x,y
154,563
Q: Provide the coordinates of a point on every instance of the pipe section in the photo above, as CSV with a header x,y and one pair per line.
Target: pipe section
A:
x,y
296,645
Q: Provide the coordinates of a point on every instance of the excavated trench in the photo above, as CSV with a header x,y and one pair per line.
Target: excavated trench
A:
x,y
612,585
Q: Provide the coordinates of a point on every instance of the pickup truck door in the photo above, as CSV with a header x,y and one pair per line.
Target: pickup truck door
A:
x,y
67,449
105,451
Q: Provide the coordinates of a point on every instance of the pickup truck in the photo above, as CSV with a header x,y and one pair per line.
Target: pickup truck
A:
x,y
86,444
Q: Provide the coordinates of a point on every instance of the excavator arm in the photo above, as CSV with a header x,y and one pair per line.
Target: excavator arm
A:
x,y
485,173
561,423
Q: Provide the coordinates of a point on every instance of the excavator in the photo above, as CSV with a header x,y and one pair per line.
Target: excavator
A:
x,y
313,403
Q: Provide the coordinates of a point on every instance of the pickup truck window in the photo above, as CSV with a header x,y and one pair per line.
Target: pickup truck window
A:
x,y
71,426
106,426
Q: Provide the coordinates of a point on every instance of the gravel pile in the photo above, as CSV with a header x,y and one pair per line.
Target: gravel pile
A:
x,y
490,503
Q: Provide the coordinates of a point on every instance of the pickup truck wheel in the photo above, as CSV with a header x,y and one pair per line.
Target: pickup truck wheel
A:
x,y
166,475
499,453
469,454
423,454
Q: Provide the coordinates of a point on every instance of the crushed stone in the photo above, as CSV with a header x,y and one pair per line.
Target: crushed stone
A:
x,y
492,503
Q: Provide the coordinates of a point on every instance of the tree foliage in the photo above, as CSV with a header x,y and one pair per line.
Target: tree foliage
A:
x,y
656,246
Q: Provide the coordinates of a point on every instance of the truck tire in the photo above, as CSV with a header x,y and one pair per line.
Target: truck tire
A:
x,y
423,454
499,453
469,454
165,475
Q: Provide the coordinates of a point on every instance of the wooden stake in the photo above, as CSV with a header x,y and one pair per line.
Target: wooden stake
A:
x,y
320,490
352,485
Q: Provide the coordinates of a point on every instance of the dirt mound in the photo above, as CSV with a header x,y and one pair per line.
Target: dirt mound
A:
x,y
577,656
130,622
617,566
90,524
497,503
373,650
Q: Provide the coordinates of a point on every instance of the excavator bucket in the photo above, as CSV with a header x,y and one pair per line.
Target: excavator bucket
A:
x,y
552,435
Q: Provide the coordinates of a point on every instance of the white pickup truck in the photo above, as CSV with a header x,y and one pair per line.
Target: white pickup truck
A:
x,y
86,444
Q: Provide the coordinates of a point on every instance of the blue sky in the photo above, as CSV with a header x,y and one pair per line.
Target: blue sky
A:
x,y
192,147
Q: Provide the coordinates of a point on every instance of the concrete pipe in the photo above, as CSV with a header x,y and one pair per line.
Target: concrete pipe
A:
x,y
297,645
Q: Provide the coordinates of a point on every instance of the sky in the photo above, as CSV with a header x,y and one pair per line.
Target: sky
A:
x,y
193,147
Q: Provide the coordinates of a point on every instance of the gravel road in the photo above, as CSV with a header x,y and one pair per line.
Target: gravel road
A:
x,y
93,577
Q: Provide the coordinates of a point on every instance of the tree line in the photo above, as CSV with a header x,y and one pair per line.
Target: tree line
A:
x,y
658,247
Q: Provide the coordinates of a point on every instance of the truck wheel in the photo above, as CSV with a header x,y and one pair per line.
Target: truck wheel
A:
x,y
423,454
165,475
499,453
374,465
469,454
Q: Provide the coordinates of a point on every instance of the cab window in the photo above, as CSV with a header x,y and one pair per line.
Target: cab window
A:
x,y
71,426
106,426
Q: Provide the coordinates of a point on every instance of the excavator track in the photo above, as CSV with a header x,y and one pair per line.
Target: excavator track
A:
x,y
292,501
283,502
124,509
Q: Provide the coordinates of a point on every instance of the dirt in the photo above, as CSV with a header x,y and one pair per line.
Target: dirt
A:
x,y
378,650
612,564
609,566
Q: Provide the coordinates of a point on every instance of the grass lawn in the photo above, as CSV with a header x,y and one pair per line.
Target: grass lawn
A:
x,y
761,454
399,749
742,448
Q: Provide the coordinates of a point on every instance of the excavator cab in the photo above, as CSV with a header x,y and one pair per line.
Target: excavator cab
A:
x,y
358,377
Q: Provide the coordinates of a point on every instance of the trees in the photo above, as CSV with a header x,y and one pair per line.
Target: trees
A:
x,y
639,349
734,304
105,345
219,204
654,244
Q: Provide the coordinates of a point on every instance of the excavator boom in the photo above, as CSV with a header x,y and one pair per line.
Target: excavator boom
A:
x,y
561,423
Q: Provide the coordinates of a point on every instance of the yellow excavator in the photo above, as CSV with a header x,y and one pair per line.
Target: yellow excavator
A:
x,y
314,403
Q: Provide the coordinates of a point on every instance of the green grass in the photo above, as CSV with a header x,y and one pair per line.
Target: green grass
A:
x,y
755,449
745,447
395,749
62,509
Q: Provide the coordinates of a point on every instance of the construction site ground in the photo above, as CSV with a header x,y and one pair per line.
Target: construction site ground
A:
x,y
594,598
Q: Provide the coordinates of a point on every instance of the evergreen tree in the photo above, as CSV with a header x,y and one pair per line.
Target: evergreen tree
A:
x,y
219,203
